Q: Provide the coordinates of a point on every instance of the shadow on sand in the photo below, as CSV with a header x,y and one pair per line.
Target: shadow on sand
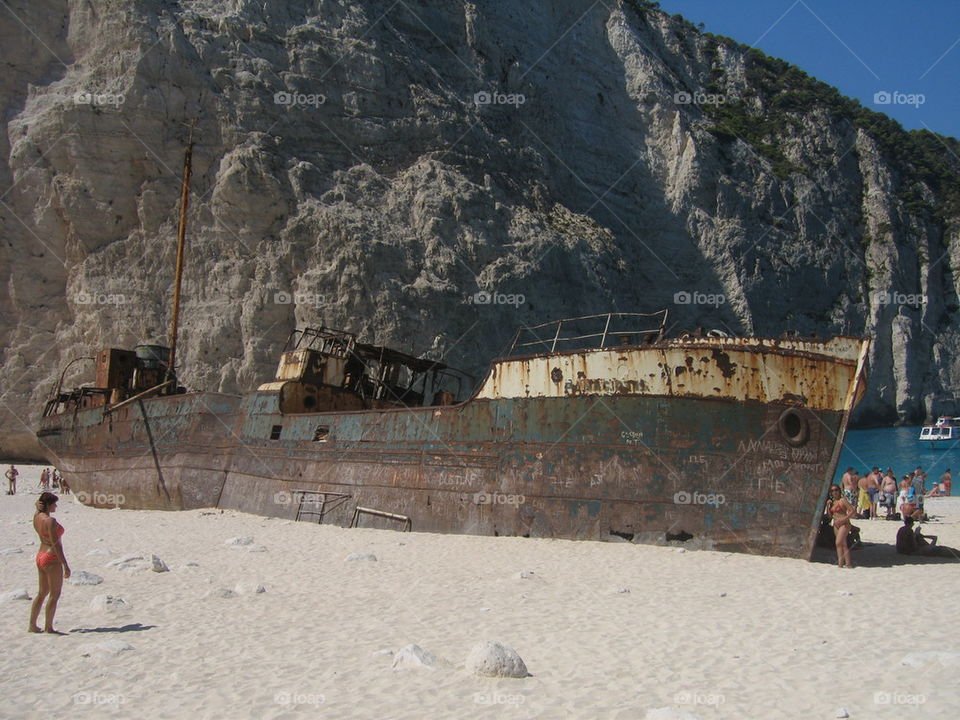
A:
x,y
884,555
133,627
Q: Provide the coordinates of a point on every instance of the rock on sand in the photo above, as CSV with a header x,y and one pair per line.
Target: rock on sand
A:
x,y
493,659
135,563
82,577
414,656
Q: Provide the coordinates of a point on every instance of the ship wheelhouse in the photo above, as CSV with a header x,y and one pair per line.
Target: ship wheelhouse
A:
x,y
325,369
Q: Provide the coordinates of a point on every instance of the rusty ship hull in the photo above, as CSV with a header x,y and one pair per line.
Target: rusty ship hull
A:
x,y
723,443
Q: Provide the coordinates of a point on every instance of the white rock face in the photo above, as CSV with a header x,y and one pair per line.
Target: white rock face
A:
x,y
15,595
158,565
493,659
376,194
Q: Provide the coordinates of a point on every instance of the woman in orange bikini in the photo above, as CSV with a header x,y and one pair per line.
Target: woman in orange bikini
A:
x,y
51,563
840,509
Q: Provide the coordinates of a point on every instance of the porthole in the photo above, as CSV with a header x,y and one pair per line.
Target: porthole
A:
x,y
794,427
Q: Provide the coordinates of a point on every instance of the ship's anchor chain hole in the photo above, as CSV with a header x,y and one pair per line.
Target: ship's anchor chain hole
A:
x,y
794,427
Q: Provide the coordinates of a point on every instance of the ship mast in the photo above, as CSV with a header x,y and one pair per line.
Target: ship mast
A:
x,y
181,240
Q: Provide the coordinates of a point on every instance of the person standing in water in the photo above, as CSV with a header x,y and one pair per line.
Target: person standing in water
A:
x,y
52,565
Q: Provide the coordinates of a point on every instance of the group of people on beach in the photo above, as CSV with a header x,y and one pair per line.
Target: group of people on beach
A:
x,y
873,490
860,496
50,478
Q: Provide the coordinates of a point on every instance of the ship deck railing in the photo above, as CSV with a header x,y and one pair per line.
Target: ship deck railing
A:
x,y
589,332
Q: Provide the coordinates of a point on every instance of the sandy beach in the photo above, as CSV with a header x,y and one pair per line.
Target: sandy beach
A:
x,y
606,630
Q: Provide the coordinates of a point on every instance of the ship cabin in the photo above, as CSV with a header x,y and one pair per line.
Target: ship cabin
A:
x,y
120,375
323,369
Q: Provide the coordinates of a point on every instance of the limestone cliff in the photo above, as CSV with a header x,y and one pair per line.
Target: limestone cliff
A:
x,y
371,166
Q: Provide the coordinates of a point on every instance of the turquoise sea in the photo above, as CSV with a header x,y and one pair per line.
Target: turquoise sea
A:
x,y
897,448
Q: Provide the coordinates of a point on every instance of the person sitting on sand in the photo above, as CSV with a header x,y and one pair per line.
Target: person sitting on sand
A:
x,y
942,487
910,510
840,509
910,541
52,565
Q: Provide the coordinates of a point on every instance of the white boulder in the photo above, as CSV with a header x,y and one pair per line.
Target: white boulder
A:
x,y
494,659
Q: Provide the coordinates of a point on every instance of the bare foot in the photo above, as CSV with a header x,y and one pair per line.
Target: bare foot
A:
x,y
51,631
35,629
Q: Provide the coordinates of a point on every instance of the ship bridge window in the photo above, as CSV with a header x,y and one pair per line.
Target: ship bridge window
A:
x,y
275,432
321,433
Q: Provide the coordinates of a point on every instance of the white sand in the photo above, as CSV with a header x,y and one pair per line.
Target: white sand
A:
x,y
708,634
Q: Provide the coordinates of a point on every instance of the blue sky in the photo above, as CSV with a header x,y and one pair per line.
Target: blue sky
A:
x,y
861,47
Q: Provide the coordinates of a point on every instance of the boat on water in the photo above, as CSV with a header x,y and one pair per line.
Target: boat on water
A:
x,y
943,434
587,428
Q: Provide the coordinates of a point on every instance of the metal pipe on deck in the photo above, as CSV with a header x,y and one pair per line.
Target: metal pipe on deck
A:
x,y
154,389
